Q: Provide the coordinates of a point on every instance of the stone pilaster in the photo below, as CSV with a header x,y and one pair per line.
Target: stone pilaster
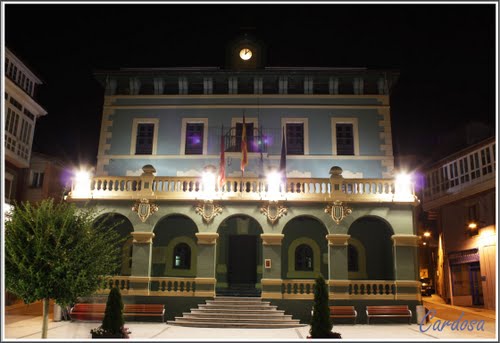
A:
x,y
141,261
271,275
337,246
205,280
405,257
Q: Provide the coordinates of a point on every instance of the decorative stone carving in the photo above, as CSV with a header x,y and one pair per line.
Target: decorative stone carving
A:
x,y
338,211
208,210
144,209
273,211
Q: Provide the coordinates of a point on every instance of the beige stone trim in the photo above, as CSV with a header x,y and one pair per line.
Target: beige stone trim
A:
x,y
204,293
409,296
143,237
139,278
337,239
271,282
407,283
347,296
405,240
207,237
298,296
271,295
339,282
205,280
272,238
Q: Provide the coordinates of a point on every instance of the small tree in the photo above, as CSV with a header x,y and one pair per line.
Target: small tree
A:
x,y
321,324
113,316
57,251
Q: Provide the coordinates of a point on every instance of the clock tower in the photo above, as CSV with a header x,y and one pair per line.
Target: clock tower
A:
x,y
245,52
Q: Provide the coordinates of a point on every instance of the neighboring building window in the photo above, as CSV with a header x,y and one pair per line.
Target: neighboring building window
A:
x,y
144,139
8,186
345,139
194,139
352,258
295,138
37,180
304,258
182,256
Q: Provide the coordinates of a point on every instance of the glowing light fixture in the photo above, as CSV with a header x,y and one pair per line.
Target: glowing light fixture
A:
x,y
208,180
273,184
427,234
81,182
403,188
472,225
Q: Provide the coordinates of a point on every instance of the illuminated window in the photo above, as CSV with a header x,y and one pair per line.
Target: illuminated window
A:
x,y
345,139
144,139
194,139
182,256
295,138
304,258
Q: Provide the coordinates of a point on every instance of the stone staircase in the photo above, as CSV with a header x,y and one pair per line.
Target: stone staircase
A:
x,y
236,312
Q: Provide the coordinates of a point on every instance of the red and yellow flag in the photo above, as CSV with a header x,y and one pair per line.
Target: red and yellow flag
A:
x,y
222,163
244,149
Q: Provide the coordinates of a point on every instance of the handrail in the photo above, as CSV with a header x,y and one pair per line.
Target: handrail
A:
x,y
242,188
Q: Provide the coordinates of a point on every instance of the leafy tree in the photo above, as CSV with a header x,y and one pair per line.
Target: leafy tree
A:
x,y
57,251
113,316
321,324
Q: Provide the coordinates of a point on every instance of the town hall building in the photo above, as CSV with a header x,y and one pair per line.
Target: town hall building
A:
x,y
250,181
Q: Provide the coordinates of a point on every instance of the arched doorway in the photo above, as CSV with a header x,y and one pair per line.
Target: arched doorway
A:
x,y
174,247
124,227
304,249
239,257
371,245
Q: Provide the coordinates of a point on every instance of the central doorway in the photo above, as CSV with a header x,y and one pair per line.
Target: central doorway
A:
x,y
242,261
239,257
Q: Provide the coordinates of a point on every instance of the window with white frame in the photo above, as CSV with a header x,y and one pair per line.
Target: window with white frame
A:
x,y
37,179
144,136
345,136
297,135
194,136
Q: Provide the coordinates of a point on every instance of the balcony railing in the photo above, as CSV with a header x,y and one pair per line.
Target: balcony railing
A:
x,y
243,188
472,168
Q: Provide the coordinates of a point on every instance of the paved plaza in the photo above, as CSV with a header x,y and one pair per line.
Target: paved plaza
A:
x,y
27,326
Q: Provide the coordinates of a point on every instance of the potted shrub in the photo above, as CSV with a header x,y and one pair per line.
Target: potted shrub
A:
x,y
321,324
113,323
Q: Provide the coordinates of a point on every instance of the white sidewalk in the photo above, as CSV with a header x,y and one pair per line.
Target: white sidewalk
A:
x,y
29,328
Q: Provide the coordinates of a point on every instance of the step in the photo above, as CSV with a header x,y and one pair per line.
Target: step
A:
x,y
247,307
237,303
225,297
235,315
236,311
236,325
236,320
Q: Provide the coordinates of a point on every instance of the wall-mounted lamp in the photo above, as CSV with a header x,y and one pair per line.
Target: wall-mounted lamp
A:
x,y
81,184
427,234
403,187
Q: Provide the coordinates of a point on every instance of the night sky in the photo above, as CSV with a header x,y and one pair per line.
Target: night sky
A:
x,y
445,54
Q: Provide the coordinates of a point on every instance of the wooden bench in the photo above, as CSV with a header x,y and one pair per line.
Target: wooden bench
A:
x,y
95,312
343,312
388,311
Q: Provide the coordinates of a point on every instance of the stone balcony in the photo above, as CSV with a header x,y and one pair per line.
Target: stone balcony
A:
x,y
311,190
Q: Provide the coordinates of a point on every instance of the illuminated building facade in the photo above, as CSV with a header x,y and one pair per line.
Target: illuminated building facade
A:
x,y
337,210
459,194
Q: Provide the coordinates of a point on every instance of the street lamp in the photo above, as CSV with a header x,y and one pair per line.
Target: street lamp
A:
x,y
427,234
403,189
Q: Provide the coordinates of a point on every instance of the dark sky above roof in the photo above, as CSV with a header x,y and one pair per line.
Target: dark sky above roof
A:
x,y
445,54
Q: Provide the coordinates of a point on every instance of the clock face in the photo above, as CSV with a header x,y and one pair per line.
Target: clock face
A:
x,y
245,54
